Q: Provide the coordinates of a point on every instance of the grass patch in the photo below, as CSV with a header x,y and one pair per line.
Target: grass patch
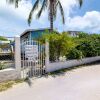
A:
x,y
6,85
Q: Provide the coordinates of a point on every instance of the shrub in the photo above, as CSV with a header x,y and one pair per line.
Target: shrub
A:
x,y
59,44
85,45
75,54
1,66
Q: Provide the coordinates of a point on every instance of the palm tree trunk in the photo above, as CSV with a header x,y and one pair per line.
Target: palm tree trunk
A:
x,y
51,15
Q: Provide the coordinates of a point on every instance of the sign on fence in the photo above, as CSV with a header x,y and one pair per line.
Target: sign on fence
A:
x,y
31,52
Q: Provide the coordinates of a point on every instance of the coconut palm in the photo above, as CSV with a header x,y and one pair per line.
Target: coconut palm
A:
x,y
13,2
51,5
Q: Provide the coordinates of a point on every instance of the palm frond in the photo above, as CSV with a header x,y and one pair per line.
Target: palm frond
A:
x,y
44,5
55,13
80,2
55,10
13,2
16,3
35,6
61,11
10,1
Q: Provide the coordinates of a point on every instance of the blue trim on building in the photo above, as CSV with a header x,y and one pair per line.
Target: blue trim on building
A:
x,y
33,34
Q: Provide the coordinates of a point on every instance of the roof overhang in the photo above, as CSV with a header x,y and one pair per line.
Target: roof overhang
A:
x,y
33,30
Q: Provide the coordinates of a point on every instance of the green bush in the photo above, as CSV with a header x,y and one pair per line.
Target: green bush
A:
x,y
90,45
1,66
3,38
59,44
74,54
85,45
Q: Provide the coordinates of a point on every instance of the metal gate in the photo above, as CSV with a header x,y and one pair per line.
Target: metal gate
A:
x,y
32,58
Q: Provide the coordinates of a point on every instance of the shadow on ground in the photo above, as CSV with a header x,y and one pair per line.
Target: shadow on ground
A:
x,y
29,81
61,72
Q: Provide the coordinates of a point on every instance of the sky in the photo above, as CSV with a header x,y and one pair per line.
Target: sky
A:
x,y
13,21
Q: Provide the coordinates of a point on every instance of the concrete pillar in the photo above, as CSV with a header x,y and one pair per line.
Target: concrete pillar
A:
x,y
18,56
47,55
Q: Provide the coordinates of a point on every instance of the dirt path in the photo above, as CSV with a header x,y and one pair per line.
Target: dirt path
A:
x,y
79,84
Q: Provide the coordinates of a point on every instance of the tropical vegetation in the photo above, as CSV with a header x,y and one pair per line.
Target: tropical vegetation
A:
x,y
3,38
85,45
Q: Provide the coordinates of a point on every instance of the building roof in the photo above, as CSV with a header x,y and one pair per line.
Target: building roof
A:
x,y
76,32
34,30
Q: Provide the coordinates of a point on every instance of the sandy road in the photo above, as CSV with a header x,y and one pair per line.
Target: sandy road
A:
x,y
79,84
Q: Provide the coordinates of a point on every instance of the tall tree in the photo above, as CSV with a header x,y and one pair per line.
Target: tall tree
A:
x,y
51,5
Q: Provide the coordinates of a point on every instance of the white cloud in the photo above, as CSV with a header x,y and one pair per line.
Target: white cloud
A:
x,y
89,22
15,20
22,11
68,5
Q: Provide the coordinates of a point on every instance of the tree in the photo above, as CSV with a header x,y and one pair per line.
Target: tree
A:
x,y
59,44
3,38
52,6
88,44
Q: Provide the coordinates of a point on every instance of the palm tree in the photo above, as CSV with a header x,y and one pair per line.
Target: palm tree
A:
x,y
51,5
52,9
13,2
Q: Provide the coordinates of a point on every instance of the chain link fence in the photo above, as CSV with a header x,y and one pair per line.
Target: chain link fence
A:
x,y
6,53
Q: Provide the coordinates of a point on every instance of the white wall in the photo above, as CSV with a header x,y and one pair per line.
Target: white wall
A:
x,y
61,65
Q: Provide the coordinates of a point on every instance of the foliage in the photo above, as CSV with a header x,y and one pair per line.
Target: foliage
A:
x,y
75,54
5,45
3,38
83,35
85,45
2,66
59,44
89,44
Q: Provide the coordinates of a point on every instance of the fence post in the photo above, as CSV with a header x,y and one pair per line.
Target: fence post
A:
x,y
18,56
47,55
